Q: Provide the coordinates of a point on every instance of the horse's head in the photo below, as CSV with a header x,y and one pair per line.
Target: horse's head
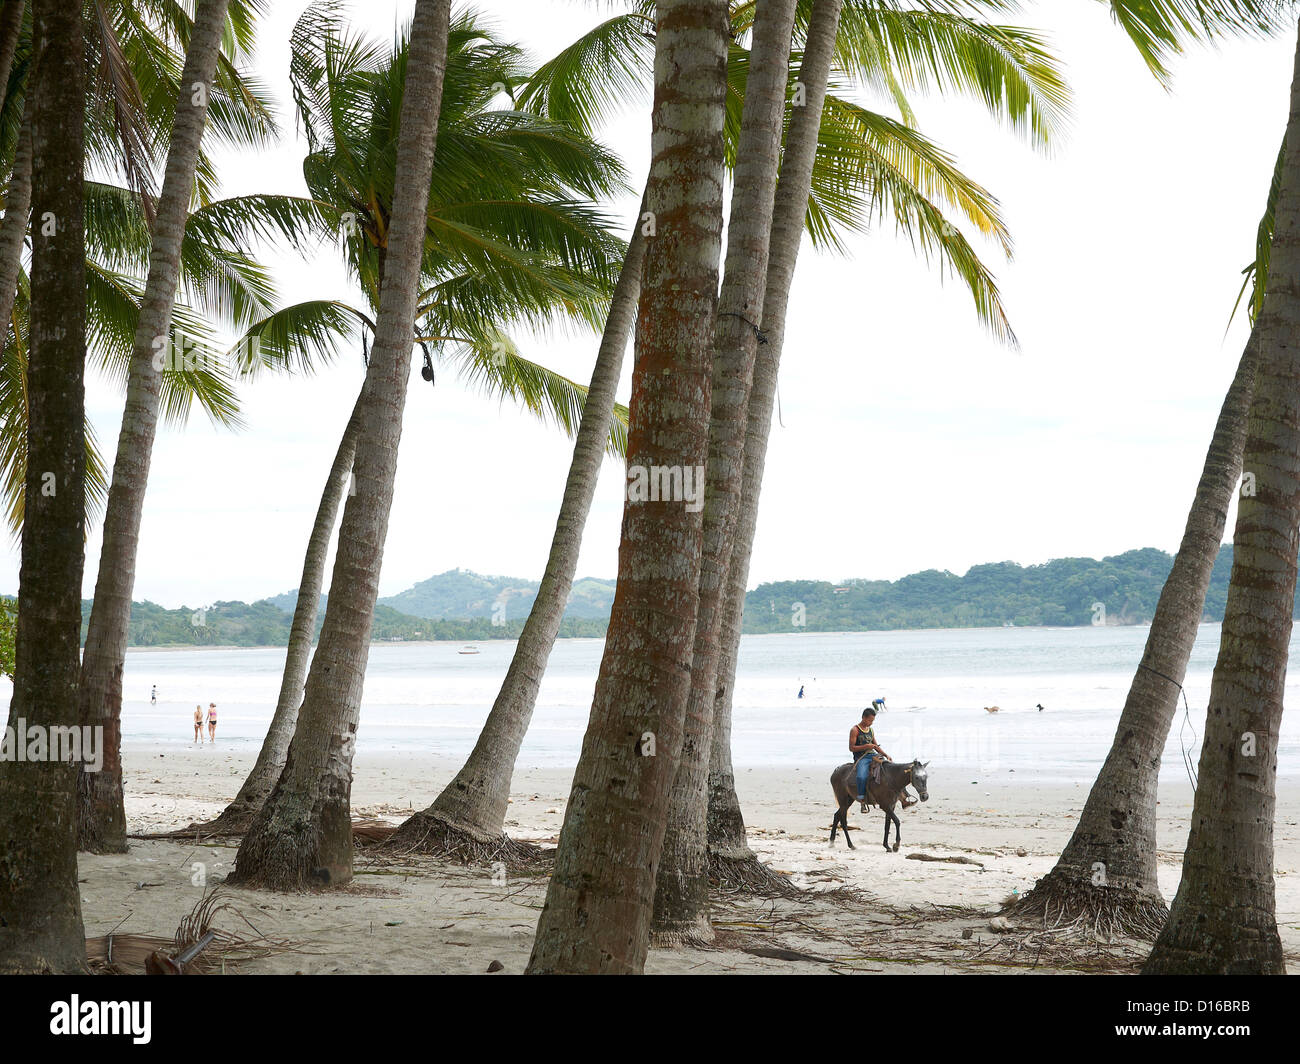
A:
x,y
919,777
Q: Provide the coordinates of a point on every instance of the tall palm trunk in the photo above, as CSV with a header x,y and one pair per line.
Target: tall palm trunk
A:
x,y
729,852
275,746
597,913
1106,875
40,906
11,26
470,813
303,832
102,818
13,228
681,906
1223,919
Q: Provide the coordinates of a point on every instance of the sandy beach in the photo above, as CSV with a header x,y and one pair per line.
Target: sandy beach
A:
x,y
416,915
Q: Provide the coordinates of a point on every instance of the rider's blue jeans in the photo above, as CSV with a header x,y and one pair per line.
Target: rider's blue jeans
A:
x,y
863,767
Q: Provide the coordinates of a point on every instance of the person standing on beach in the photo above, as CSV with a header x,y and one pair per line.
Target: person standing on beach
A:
x,y
212,722
153,696
198,725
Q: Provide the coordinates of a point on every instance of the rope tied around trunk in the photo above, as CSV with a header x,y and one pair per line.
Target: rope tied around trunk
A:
x,y
1187,722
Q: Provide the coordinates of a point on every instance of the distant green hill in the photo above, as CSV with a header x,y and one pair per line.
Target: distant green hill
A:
x,y
1060,592
464,606
459,593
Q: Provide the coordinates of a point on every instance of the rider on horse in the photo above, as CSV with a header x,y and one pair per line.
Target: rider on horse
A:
x,y
866,751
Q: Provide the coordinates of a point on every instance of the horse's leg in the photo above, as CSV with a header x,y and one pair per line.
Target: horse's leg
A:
x,y
844,821
898,830
835,825
886,829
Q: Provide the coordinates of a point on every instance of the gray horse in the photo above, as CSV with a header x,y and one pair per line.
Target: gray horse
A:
x,y
885,794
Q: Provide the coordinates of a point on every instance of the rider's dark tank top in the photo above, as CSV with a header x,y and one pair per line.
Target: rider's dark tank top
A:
x,y
864,736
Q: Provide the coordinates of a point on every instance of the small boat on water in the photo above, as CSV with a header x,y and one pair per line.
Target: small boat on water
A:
x,y
468,650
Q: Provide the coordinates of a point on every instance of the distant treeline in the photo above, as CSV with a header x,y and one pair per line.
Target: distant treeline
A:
x,y
1063,592
265,625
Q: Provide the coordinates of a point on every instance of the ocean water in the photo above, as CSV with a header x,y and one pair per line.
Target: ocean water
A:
x,y
432,698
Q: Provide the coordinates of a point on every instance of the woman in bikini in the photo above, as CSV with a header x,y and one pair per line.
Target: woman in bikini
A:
x,y
198,724
212,722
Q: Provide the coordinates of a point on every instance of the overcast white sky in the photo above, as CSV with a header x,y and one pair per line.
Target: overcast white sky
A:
x,y
910,440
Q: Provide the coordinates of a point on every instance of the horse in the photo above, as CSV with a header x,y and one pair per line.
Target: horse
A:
x,y
893,783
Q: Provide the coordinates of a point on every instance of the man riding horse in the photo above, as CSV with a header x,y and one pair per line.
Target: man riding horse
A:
x,y
866,751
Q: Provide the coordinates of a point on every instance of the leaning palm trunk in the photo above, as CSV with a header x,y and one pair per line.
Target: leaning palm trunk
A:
x,y
598,904
1223,918
102,818
468,817
40,905
275,747
731,859
1105,877
303,832
681,908
13,229
11,25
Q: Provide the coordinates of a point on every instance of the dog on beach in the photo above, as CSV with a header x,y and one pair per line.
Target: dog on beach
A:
x,y
991,709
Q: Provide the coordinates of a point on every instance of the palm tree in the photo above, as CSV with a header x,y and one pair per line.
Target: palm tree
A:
x,y
681,899
598,903
1159,31
1105,877
40,905
538,254
606,67
11,25
220,282
1223,918
102,818
303,832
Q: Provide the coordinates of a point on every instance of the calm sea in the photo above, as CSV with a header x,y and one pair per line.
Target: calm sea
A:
x,y
433,698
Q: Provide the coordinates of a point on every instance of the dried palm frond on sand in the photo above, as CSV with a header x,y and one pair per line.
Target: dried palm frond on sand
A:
x,y
197,947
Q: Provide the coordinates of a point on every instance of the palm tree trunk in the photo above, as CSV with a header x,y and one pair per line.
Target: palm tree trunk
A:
x,y
303,833
597,914
275,747
681,906
40,905
1223,917
732,860
13,229
1106,875
468,817
102,818
11,25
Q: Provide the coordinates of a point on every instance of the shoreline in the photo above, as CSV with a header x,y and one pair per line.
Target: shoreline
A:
x,y
406,915
175,647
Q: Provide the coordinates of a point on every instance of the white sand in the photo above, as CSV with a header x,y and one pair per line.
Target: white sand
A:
x,y
422,916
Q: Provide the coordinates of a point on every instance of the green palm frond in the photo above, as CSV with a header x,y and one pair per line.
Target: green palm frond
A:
x,y
301,337
492,364
113,310
872,168
1009,69
218,276
604,71
13,436
1255,275
1159,29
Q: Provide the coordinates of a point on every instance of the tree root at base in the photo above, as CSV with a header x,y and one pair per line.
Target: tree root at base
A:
x,y
746,874
1058,900
431,836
